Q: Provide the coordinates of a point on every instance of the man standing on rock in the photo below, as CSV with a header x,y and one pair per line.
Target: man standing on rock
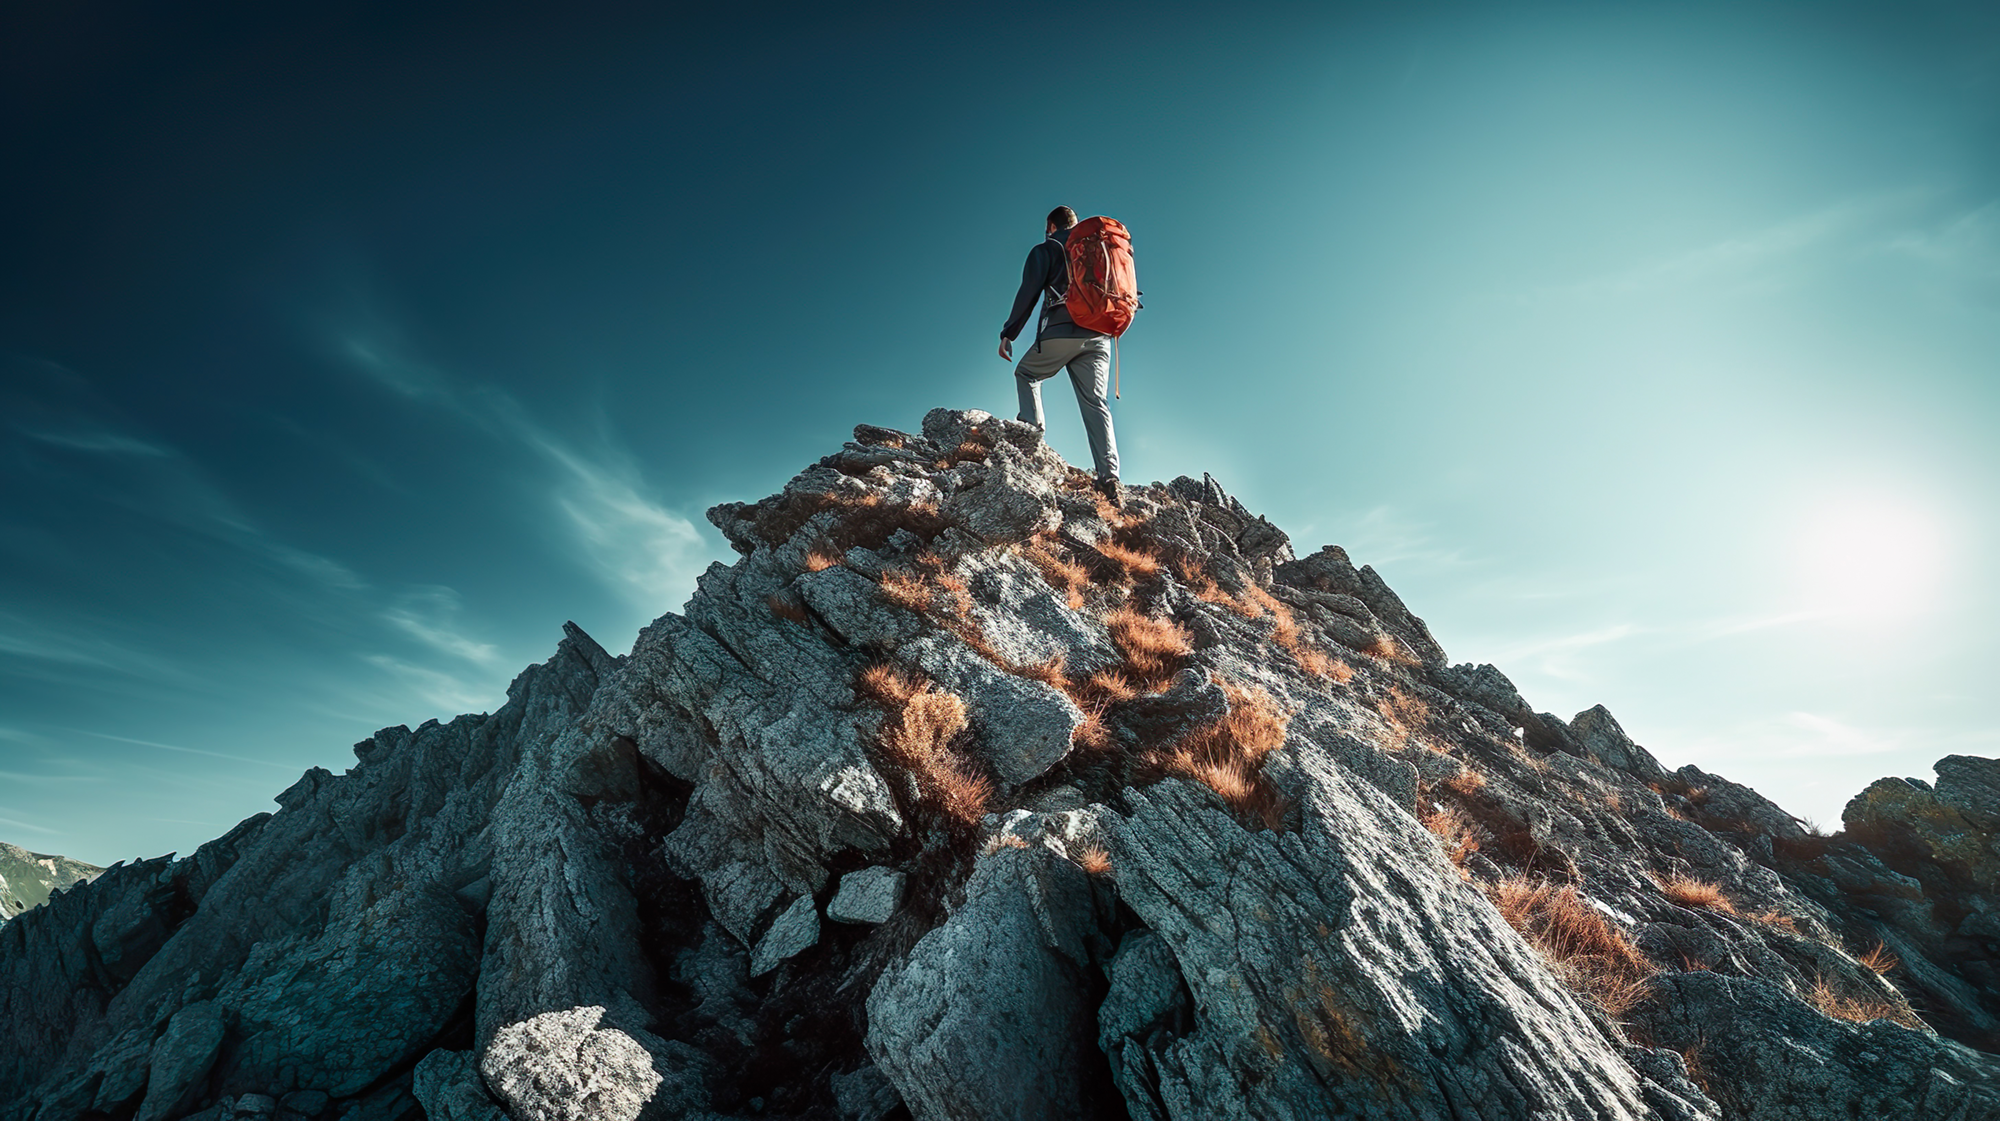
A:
x,y
1060,344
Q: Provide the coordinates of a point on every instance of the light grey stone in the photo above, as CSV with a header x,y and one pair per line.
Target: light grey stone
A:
x,y
124,1065
794,931
1024,726
1146,987
864,1094
182,1058
1600,735
1009,501
870,895
1971,785
987,1017
448,1085
1297,980
560,1066
1486,685
1769,1056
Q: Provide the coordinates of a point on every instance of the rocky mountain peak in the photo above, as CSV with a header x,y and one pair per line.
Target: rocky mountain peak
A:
x,y
28,878
964,794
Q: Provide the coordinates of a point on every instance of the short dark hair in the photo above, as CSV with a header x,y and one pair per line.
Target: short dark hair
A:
x,y
1062,217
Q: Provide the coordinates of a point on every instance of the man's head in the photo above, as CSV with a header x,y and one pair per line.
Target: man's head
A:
x,y
1061,218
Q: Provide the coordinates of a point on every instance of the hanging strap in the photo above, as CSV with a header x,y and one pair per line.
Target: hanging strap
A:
x,y
1114,366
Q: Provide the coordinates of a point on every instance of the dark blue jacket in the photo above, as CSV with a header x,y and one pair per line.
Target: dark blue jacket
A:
x,y
1046,274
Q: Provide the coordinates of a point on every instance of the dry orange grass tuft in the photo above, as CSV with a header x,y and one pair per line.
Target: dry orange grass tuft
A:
x,y
1001,841
958,598
822,557
920,733
1048,673
1700,895
1776,920
887,686
1319,664
1586,951
1105,509
1614,801
1466,783
1837,1005
1094,695
1137,564
970,450
1451,825
1094,860
852,502
1285,627
1108,686
1257,603
786,608
1227,755
1093,736
1878,960
1208,591
1153,648
1697,1073
1385,648
1062,574
929,590
906,590
1406,714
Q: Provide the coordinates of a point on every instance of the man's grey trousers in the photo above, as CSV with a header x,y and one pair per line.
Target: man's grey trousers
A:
x,y
1089,363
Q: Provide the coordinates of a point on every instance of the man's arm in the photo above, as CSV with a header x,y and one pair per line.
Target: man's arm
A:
x,y
1033,275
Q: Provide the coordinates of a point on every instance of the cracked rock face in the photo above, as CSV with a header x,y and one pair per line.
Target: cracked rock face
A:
x,y
962,794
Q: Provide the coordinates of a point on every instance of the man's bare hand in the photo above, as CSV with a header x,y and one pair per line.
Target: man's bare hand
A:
x,y
1007,348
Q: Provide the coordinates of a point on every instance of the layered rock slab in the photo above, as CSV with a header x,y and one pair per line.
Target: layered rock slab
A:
x,y
1340,979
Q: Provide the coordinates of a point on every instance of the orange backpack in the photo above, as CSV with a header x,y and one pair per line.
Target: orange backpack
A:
x,y
1103,285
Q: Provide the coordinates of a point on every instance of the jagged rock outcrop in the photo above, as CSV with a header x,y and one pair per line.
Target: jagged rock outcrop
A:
x,y
28,878
963,794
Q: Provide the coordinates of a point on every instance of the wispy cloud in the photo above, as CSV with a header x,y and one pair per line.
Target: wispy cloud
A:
x,y
1571,643
1753,257
140,473
28,826
1384,536
99,441
1825,735
445,693
1968,240
80,642
642,550
186,750
46,780
428,614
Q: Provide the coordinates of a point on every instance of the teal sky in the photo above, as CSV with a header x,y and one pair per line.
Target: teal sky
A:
x,y
1650,351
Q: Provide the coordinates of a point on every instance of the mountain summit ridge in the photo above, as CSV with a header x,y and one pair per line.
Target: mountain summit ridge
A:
x,y
28,878
964,794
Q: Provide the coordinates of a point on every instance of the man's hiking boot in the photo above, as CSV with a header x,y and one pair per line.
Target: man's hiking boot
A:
x,y
1109,489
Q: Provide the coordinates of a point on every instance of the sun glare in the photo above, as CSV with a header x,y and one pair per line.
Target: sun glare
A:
x,y
1871,557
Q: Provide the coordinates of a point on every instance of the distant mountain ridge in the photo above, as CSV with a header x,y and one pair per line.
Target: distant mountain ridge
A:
x,y
27,878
